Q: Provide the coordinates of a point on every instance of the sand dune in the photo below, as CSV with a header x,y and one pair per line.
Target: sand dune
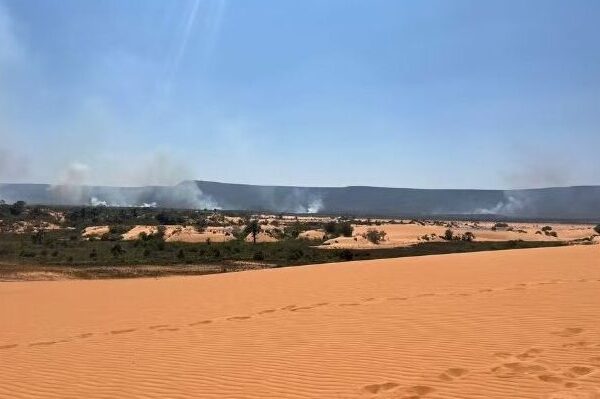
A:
x,y
400,235
506,324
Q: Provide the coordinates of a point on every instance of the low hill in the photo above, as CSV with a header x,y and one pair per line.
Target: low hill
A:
x,y
581,202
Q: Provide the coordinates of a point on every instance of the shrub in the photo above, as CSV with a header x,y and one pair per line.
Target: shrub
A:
x,y
118,229
546,228
258,255
334,229
117,250
375,236
597,229
468,236
346,254
27,254
253,227
345,229
448,235
293,231
329,228
38,237
295,254
17,208
501,225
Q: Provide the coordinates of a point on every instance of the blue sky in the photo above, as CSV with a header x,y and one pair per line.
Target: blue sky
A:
x,y
428,94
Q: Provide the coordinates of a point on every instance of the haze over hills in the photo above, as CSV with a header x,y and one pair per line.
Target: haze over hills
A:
x,y
580,202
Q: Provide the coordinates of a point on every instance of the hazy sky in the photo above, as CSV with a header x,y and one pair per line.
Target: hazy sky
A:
x,y
428,94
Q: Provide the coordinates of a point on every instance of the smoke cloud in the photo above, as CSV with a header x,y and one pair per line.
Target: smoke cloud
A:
x,y
161,184
511,205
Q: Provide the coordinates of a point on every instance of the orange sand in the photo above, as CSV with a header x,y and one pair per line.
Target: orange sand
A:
x,y
507,324
400,235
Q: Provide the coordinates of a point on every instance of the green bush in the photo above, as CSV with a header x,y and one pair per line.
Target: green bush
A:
x,y
375,236
117,250
468,236
448,235
346,254
345,229
334,229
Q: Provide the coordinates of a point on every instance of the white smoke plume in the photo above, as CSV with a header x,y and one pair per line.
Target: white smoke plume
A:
x,y
75,186
69,189
511,205
96,202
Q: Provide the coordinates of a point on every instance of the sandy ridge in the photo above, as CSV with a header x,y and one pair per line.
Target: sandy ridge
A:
x,y
512,324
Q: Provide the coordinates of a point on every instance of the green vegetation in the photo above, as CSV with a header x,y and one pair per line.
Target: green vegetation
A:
x,y
29,240
336,229
375,236
252,228
468,236
597,229
448,235
103,259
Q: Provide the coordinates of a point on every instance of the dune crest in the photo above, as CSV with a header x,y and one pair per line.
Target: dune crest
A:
x,y
464,325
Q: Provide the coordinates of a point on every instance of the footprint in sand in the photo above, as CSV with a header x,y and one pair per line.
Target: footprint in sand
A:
x,y
397,298
414,392
418,390
529,354
267,311
515,369
238,318
377,388
85,335
568,332
196,323
515,288
574,394
302,308
168,329
316,305
453,373
550,378
578,371
577,345
125,331
486,290
349,304
44,343
10,346
157,326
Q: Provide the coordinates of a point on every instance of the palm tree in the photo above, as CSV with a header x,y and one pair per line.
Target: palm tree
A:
x,y
253,228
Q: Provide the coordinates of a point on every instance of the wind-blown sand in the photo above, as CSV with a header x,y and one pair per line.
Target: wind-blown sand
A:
x,y
505,324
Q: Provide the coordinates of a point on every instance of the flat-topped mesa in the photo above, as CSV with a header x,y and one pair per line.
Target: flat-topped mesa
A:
x,y
556,203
